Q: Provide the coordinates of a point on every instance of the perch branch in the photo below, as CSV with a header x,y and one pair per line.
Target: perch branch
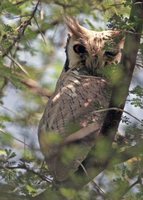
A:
x,y
127,65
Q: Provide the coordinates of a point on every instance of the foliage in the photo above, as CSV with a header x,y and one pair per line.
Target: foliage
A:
x,y
32,36
138,100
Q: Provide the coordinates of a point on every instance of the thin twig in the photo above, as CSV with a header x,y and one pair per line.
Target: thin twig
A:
x,y
99,190
120,110
15,138
129,188
9,110
25,167
21,29
18,64
44,39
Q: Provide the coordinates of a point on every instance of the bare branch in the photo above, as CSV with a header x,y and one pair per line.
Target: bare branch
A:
x,y
33,85
15,138
82,133
18,64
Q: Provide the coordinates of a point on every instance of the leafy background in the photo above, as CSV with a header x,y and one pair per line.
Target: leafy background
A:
x,y
32,40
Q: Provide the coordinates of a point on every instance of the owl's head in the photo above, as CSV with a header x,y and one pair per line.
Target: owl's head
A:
x,y
88,50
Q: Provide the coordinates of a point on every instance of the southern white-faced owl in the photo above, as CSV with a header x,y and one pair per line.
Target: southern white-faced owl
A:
x,y
80,91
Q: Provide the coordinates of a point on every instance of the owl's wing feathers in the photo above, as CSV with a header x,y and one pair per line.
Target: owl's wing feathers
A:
x,y
71,108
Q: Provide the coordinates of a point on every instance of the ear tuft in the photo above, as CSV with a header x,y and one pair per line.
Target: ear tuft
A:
x,y
74,27
72,24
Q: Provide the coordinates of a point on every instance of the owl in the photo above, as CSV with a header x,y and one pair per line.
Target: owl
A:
x,y
81,91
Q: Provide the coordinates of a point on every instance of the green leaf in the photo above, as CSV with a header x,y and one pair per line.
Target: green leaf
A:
x,y
70,194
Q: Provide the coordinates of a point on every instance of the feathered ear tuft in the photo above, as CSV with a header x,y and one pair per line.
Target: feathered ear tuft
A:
x,y
74,27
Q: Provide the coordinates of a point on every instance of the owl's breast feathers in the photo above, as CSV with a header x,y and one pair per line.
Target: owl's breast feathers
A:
x,y
72,107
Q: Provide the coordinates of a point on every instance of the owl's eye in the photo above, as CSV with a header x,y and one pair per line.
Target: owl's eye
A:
x,y
78,48
111,54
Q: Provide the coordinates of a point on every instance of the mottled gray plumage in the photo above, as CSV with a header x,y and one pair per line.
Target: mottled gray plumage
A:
x,y
79,93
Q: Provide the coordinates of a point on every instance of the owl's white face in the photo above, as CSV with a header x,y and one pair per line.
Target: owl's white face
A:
x,y
89,50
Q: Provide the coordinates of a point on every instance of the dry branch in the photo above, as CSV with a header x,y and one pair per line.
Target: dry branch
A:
x,y
34,86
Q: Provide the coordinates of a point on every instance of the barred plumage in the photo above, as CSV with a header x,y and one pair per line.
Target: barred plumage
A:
x,y
80,91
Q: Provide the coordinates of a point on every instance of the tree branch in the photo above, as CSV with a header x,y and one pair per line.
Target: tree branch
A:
x,y
21,29
33,85
24,166
127,65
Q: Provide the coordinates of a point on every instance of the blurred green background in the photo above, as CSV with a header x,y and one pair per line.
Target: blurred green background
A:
x,y
32,40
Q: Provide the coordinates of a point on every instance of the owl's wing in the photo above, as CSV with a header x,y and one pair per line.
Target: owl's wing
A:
x,y
72,107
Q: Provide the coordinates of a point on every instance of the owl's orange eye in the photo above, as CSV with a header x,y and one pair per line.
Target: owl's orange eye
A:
x,y
78,48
